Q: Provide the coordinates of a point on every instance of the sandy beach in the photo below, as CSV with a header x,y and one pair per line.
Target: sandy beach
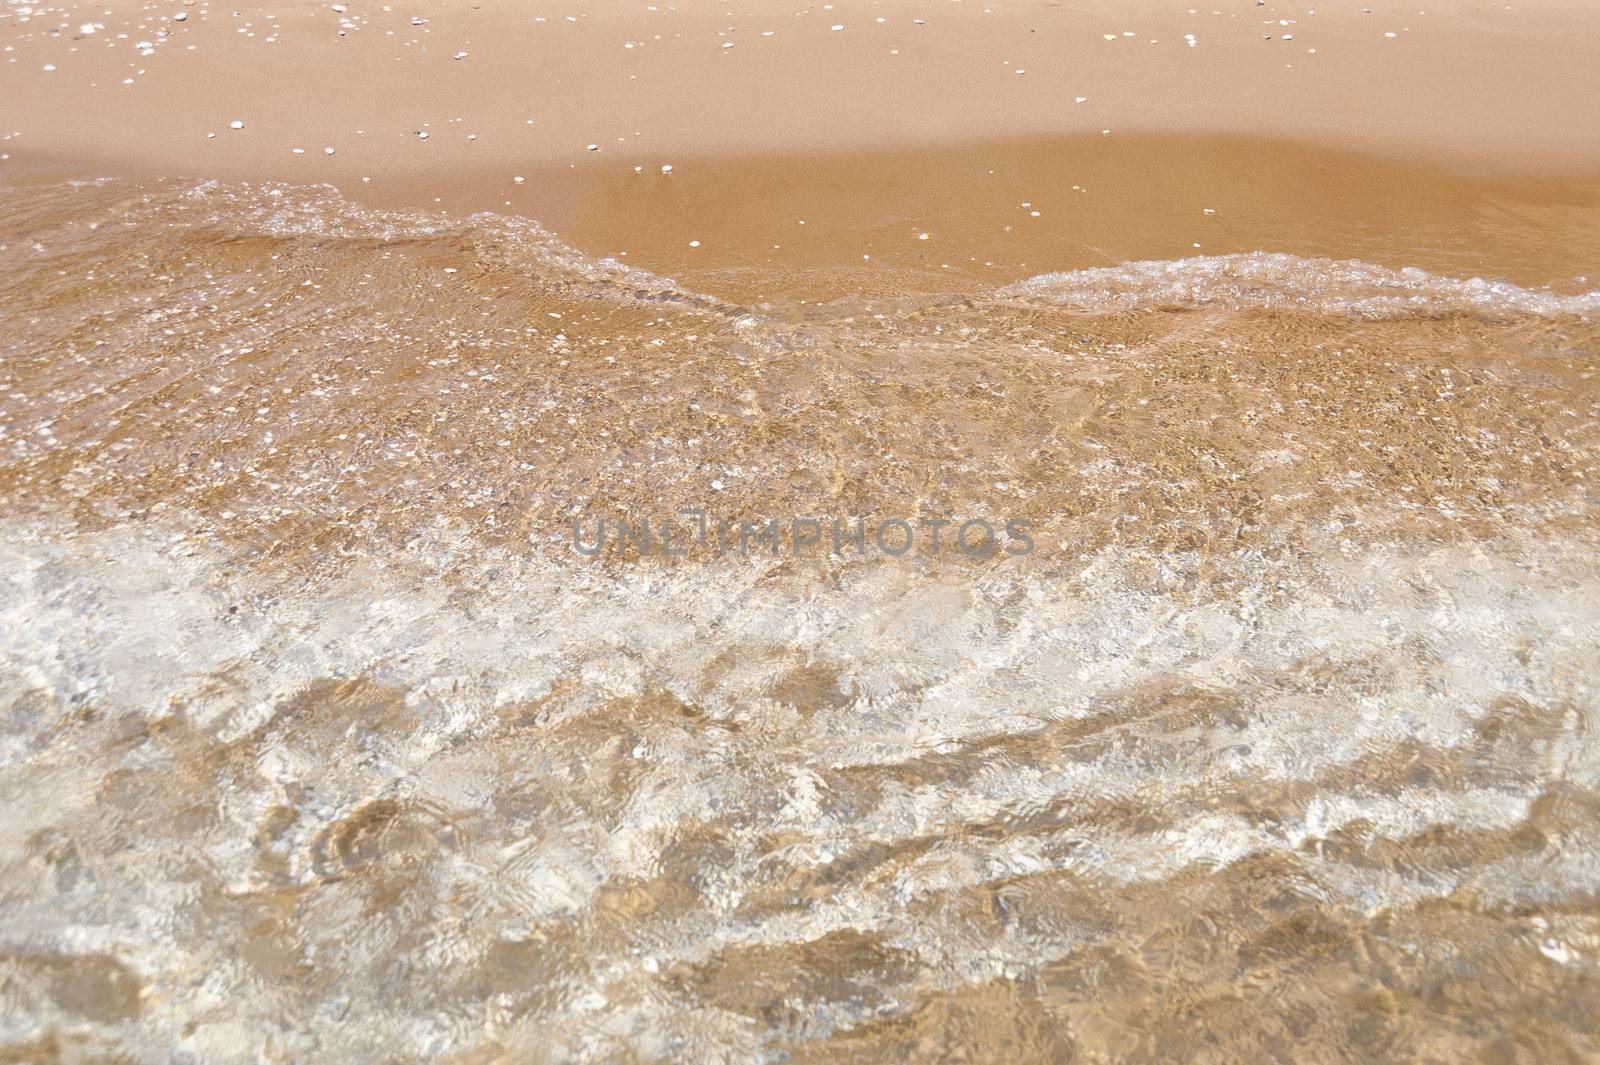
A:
x,y
847,533
1021,138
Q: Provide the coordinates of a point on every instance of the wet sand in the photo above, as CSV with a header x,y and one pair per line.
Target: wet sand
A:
x,y
322,738
1461,140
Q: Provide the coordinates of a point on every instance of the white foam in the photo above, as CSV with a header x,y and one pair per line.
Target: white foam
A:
x,y
1276,281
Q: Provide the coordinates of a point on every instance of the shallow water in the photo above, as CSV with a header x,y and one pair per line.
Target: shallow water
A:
x,y
321,742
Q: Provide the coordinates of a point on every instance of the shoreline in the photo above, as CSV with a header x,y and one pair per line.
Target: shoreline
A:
x,y
810,226
843,561
801,154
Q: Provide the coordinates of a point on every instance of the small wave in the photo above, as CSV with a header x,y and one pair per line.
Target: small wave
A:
x,y
321,211
106,218
1277,281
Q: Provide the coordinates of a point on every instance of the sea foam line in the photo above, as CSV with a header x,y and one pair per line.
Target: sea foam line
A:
x,y
1277,281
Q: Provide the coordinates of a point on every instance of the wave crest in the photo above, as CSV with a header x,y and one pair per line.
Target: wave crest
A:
x,y
1277,281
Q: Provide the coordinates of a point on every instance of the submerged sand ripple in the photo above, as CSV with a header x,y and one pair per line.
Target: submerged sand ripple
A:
x,y
319,742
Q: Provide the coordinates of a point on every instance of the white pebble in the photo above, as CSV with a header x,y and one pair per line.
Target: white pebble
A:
x,y
236,124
